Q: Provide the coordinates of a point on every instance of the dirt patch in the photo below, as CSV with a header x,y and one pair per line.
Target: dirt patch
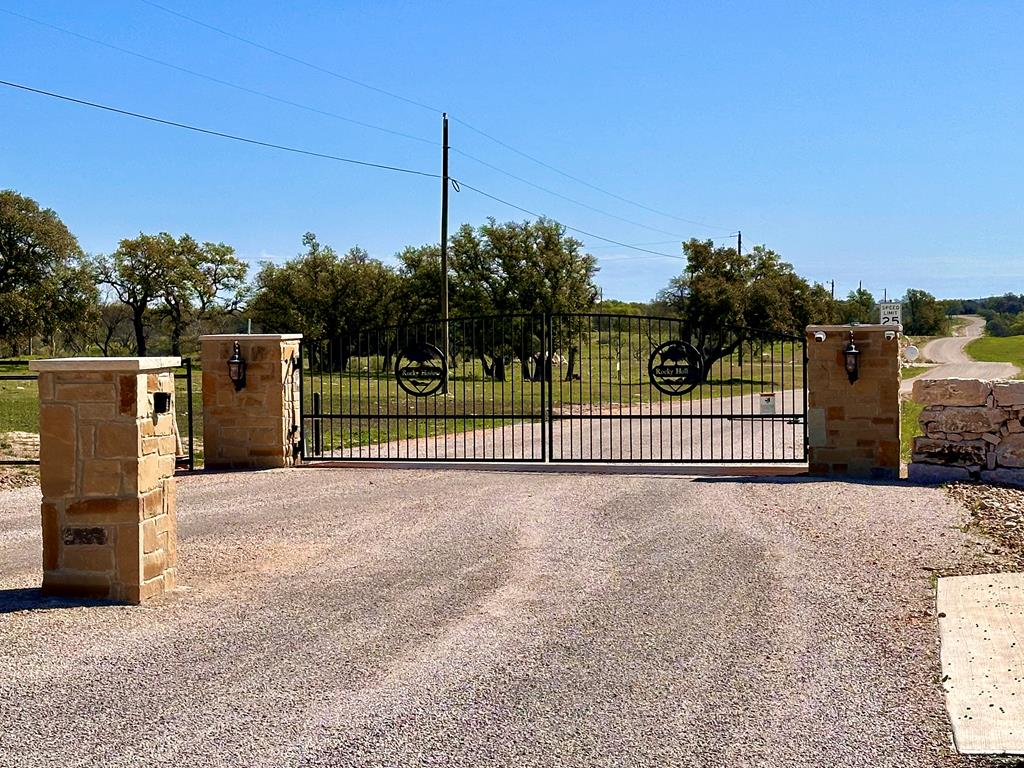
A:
x,y
19,445
12,477
998,514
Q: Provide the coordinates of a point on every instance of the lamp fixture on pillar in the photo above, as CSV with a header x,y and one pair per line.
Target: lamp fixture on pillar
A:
x,y
236,368
851,355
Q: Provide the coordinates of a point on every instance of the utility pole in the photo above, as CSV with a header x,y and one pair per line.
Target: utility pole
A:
x,y
833,289
444,237
739,243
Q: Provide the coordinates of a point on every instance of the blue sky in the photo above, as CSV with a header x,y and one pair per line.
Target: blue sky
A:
x,y
863,141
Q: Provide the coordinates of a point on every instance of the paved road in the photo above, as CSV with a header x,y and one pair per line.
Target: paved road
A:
x,y
468,618
953,361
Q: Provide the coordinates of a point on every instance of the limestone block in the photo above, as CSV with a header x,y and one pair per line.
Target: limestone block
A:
x,y
1010,452
1008,393
100,477
88,558
936,474
964,453
117,440
57,443
968,420
1014,426
951,391
1014,477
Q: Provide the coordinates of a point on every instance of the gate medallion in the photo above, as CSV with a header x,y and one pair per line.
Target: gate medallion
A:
x,y
421,370
675,367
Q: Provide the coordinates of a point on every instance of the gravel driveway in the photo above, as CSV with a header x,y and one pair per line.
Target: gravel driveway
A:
x,y
462,617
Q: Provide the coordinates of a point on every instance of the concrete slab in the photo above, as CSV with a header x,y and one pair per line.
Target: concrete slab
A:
x,y
981,627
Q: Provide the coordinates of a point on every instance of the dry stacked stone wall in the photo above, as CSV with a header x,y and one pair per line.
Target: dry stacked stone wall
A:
x,y
973,429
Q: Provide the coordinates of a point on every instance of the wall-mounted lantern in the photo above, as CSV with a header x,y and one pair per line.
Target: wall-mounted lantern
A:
x,y
851,355
236,368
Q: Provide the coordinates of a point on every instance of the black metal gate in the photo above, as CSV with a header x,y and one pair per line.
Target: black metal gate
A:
x,y
559,388
184,398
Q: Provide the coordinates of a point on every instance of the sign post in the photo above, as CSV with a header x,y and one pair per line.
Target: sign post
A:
x,y
891,312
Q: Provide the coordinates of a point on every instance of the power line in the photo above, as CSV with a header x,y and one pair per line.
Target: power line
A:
x,y
655,242
321,155
218,80
414,102
572,229
291,58
308,108
579,180
561,196
220,134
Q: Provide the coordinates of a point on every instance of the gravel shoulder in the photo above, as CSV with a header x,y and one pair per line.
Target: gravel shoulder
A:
x,y
461,617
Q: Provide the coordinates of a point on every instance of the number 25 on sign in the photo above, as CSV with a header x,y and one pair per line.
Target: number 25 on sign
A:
x,y
891,313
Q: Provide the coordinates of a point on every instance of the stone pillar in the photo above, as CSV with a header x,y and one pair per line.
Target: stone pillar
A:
x,y
853,428
256,427
106,468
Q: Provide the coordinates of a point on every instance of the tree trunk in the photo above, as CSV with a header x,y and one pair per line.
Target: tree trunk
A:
x,y
573,352
140,332
177,331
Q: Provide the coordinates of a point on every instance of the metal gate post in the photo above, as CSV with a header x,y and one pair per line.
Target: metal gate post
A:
x,y
807,438
548,376
191,431
302,405
544,425
318,430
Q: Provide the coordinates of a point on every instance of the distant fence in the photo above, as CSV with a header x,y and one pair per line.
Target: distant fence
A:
x,y
19,413
185,398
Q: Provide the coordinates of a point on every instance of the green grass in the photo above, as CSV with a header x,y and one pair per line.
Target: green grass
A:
x,y
910,427
912,371
19,401
999,349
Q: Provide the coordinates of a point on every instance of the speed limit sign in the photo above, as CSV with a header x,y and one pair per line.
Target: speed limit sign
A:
x,y
891,313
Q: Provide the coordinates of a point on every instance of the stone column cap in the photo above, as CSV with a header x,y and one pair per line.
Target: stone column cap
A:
x,y
251,336
856,327
123,364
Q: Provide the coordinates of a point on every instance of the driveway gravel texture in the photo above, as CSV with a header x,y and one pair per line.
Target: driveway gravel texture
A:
x,y
463,617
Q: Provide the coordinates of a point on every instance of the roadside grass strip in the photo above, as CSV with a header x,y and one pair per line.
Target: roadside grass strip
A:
x,y
999,349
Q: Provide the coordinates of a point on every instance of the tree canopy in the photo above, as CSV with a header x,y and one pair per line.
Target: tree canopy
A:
x,y
182,280
722,291
46,284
